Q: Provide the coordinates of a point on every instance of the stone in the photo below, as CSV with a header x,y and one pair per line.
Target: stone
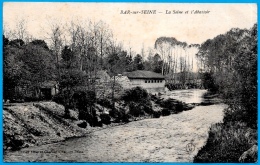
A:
x,y
250,155
82,124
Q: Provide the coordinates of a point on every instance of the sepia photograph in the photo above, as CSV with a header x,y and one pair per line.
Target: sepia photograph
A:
x,y
130,82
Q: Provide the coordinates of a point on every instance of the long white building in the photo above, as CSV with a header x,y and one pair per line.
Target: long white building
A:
x,y
151,81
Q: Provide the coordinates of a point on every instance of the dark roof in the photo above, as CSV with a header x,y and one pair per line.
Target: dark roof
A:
x,y
143,74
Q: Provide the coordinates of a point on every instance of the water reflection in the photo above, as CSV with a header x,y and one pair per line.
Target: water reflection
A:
x,y
186,95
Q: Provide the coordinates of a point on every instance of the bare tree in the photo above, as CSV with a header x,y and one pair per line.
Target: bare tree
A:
x,y
56,39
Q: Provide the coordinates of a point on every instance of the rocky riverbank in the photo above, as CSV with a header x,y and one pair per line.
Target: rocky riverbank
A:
x,y
30,124
163,139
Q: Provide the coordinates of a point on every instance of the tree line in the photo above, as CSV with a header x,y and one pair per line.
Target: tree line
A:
x,y
230,66
75,52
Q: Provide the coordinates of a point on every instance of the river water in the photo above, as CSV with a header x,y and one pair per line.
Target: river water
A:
x,y
174,138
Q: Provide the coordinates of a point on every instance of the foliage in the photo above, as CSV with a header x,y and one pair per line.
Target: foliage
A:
x,y
156,114
138,100
135,94
231,60
26,67
138,62
136,109
231,64
105,102
105,118
166,112
209,82
172,105
226,143
84,102
58,98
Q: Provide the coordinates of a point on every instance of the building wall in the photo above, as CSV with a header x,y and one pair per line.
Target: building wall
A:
x,y
151,85
123,81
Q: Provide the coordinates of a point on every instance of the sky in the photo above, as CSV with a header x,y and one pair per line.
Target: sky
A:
x,y
137,30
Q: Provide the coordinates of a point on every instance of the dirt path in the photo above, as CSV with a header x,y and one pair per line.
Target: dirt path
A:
x,y
150,140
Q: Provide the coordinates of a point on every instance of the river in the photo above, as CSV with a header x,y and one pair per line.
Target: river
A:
x,y
174,138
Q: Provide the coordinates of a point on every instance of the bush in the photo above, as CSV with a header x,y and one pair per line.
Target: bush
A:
x,y
166,112
236,112
209,82
125,118
58,98
156,114
105,103
119,115
105,119
136,109
84,102
82,115
15,142
139,101
179,107
135,94
172,105
226,143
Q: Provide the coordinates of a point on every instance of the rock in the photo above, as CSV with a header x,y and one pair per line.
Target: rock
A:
x,y
206,103
188,107
250,155
82,124
26,145
16,142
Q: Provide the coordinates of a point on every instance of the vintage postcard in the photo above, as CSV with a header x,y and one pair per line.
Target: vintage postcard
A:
x,y
129,82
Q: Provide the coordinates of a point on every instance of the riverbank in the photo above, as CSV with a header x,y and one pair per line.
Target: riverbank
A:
x,y
176,130
161,139
38,123
228,142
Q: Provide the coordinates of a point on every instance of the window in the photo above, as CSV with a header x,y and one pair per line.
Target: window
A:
x,y
148,81
145,81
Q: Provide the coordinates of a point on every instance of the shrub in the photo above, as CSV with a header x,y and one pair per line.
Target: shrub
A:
x,y
15,142
125,118
209,82
84,102
136,109
105,119
166,112
147,107
105,103
135,94
58,98
138,100
156,114
226,143
82,114
172,105
179,107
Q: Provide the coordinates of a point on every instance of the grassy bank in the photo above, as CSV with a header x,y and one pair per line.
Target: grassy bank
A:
x,y
226,143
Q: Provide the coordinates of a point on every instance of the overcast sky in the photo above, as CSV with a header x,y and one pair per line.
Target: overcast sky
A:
x,y
137,29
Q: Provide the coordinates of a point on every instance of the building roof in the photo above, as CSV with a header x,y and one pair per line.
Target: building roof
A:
x,y
143,74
